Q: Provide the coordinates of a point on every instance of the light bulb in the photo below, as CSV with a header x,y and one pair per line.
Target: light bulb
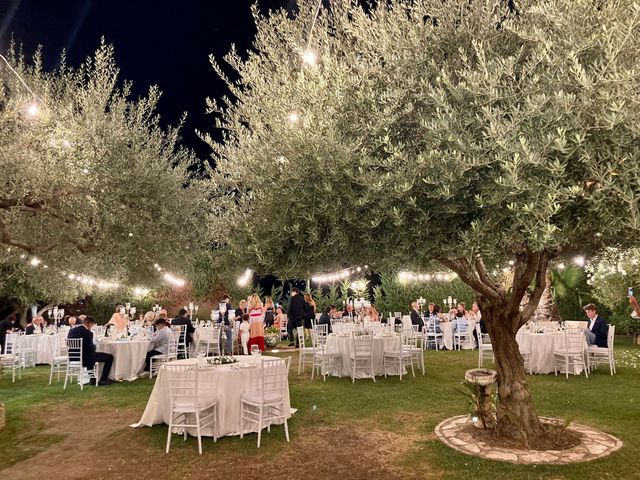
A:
x,y
309,57
33,110
294,117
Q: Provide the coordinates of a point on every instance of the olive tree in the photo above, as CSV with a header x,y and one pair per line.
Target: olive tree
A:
x,y
408,133
92,183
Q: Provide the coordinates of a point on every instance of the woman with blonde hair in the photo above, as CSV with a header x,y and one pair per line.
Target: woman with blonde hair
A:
x,y
256,322
269,309
148,319
119,319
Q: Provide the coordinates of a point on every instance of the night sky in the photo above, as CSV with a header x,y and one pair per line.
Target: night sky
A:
x,y
160,42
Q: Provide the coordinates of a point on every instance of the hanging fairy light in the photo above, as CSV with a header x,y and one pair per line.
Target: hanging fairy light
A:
x,y
310,58
405,277
243,281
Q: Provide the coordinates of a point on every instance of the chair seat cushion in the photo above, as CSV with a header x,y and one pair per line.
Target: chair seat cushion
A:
x,y
256,397
600,350
187,405
398,354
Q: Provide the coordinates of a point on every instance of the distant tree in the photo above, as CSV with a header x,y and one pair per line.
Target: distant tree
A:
x,y
91,182
469,134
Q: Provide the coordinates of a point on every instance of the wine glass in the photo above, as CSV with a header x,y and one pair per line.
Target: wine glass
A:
x,y
255,350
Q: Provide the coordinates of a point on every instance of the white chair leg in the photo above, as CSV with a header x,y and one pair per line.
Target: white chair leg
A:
x,y
169,432
198,431
259,426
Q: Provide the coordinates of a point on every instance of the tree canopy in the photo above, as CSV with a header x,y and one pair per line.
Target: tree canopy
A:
x,y
91,181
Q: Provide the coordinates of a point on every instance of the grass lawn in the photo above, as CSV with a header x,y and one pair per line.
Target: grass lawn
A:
x,y
366,430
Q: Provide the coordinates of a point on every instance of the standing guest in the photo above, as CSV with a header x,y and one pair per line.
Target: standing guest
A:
x,y
309,314
416,319
325,318
242,308
245,333
89,354
269,308
35,326
227,326
597,328
374,316
159,344
256,322
279,320
295,314
119,319
182,319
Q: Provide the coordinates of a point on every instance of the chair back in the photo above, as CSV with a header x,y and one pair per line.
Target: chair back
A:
x,y
361,343
300,331
484,340
172,349
182,329
60,345
11,343
275,376
182,382
74,347
574,340
409,339
461,325
432,325
320,333
611,335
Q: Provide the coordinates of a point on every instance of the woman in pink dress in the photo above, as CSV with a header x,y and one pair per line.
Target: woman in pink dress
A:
x,y
256,322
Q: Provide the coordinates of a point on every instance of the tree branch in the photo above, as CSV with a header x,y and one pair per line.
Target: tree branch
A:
x,y
540,285
467,274
7,239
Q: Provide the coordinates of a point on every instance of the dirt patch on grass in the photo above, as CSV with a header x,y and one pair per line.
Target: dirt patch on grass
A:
x,y
556,437
98,444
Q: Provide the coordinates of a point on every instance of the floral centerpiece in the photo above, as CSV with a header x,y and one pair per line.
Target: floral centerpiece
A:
x,y
222,360
271,336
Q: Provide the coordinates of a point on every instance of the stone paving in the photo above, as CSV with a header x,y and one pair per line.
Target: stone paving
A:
x,y
595,444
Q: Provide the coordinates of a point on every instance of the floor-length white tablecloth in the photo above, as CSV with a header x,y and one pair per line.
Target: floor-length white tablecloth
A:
x,y
128,357
225,383
447,335
541,347
342,345
47,345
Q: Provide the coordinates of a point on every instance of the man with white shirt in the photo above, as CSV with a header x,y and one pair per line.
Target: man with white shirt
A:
x,y
597,328
159,342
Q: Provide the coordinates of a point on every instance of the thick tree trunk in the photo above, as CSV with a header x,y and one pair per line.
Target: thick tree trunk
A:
x,y
517,418
547,310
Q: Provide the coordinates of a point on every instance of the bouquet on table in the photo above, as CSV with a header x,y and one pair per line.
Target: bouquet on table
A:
x,y
222,360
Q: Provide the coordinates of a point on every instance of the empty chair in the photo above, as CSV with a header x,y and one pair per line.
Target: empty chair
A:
x,y
187,407
324,361
485,349
27,350
399,358
209,341
599,355
306,353
75,367
571,353
417,351
11,359
182,343
268,405
361,356
60,357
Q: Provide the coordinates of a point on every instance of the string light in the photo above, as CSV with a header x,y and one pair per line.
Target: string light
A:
x,y
310,58
580,261
404,277
294,117
178,282
32,110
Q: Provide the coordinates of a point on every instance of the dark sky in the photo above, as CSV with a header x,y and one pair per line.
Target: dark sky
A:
x,y
160,42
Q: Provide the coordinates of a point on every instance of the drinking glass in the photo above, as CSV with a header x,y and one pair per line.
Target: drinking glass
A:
x,y
255,350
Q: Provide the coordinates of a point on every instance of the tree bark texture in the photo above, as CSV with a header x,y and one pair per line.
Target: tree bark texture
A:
x,y
503,317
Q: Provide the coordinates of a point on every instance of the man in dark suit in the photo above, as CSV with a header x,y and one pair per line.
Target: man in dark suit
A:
x,y
295,315
325,318
89,354
416,319
597,328
348,312
228,327
8,325
182,319
35,326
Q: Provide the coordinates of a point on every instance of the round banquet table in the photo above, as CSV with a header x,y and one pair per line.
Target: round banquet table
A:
x,y
46,346
540,347
447,335
225,383
342,344
128,357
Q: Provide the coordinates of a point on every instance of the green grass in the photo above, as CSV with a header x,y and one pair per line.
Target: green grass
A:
x,y
610,403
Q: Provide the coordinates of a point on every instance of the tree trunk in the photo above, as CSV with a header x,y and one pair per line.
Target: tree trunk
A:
x,y
547,310
517,418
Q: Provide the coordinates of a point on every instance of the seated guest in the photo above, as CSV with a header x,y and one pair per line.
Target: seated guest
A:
x,y
182,319
242,309
325,318
348,312
89,354
278,321
430,312
159,344
461,310
432,321
149,319
597,328
73,321
416,319
474,313
35,326
119,319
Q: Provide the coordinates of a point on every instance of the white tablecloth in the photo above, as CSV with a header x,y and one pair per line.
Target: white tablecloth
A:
x,y
447,335
47,345
221,382
128,357
342,345
540,347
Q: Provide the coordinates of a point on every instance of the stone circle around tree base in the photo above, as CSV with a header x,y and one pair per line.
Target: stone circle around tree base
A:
x,y
594,444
